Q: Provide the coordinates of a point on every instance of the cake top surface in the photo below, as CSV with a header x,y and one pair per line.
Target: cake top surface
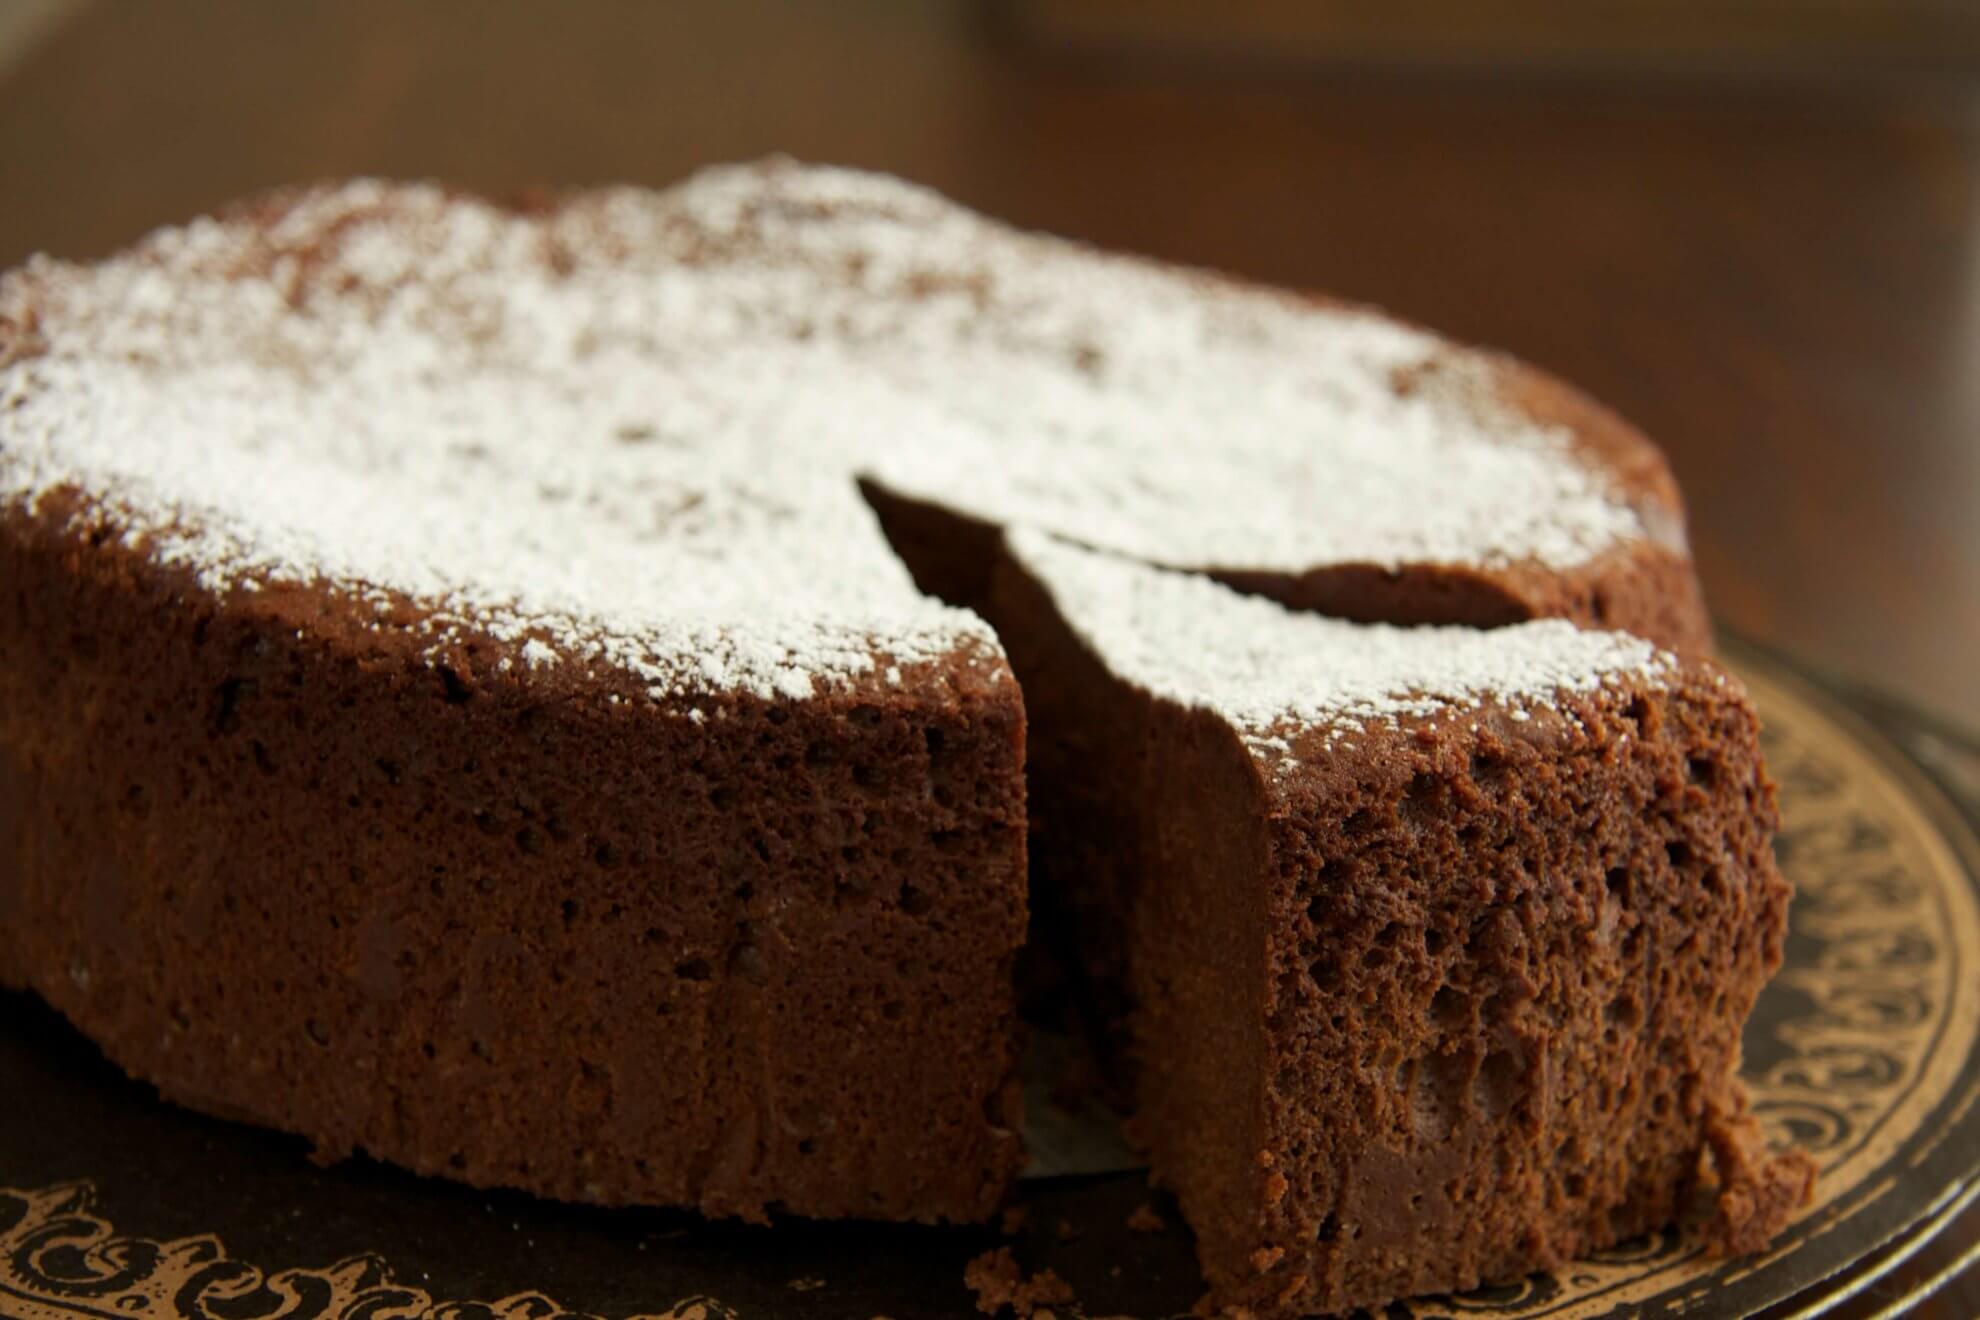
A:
x,y
1274,673
627,425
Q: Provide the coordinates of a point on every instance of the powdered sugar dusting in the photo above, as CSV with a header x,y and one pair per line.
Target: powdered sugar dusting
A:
x,y
429,407
627,427
1269,670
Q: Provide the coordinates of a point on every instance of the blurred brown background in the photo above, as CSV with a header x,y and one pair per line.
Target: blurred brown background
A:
x,y
1752,226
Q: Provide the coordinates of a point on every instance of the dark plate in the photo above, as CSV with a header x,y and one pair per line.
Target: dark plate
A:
x,y
115,1205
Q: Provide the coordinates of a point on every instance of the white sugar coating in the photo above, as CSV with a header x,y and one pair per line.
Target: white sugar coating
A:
x,y
462,425
1269,670
627,427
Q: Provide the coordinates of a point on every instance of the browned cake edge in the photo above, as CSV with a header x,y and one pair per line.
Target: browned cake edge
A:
x,y
1507,974
513,928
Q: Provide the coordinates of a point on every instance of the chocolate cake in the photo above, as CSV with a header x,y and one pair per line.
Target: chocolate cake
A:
x,y
471,688
1438,941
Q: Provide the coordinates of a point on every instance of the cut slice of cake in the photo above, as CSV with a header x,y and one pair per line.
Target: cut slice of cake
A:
x,y
1438,942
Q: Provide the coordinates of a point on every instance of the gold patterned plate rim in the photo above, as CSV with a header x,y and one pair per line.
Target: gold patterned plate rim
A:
x,y
1866,1049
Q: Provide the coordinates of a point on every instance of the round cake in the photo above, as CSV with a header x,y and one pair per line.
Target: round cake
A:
x,y
507,687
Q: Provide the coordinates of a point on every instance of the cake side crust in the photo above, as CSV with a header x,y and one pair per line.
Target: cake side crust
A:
x,y
506,926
